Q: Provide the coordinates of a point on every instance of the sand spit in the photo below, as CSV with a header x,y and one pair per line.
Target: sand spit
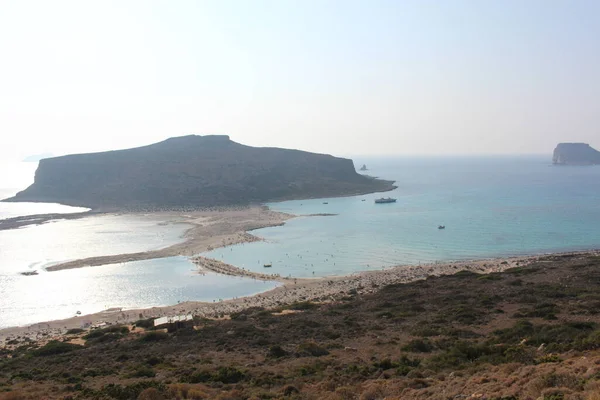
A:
x,y
227,269
210,229
38,219
292,290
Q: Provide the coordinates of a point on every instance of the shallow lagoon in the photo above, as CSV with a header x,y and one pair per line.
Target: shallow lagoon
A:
x,y
139,284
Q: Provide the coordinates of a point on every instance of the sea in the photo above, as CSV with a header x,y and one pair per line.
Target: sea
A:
x,y
492,206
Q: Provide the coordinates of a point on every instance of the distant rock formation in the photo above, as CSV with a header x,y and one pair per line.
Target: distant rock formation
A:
x,y
364,167
575,154
194,171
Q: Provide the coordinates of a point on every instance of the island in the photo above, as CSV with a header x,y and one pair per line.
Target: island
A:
x,y
575,154
194,171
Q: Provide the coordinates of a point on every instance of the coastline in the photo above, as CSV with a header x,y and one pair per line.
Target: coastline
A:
x,y
321,290
210,229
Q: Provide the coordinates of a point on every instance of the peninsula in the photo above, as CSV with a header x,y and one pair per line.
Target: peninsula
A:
x,y
575,154
194,171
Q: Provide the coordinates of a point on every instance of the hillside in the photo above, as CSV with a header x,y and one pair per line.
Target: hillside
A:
x,y
530,332
575,154
194,171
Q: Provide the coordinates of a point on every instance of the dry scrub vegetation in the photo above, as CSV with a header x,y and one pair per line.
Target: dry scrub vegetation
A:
x,y
527,333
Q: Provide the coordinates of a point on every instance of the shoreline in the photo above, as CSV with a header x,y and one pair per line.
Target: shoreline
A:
x,y
321,290
209,229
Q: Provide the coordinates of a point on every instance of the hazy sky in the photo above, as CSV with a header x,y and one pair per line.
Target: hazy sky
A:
x,y
342,77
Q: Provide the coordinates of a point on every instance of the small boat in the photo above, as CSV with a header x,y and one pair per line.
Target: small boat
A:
x,y
78,313
385,200
442,227
30,273
269,265
325,202
363,200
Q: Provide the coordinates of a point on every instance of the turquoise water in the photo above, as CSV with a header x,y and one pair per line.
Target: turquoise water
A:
x,y
141,284
491,207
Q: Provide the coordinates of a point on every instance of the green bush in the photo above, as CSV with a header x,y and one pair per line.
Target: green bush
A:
x,y
143,372
55,347
228,375
75,331
418,346
128,392
276,352
145,323
549,358
302,305
117,331
312,349
154,336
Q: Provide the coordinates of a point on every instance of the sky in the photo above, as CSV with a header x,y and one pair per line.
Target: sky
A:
x,y
343,77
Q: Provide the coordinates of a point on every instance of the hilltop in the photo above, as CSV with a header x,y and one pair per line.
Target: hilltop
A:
x,y
194,171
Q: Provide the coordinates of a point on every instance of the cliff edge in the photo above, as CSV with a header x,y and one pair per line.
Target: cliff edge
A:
x,y
575,154
194,171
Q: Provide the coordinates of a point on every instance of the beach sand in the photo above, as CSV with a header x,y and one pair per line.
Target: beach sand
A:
x,y
292,290
209,229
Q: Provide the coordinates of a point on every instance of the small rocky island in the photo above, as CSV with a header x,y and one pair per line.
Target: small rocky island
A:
x,y
575,154
194,171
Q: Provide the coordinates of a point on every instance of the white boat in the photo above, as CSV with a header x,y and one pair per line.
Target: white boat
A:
x,y
385,200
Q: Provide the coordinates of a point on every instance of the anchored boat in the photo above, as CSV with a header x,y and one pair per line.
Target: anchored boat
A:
x,y
385,200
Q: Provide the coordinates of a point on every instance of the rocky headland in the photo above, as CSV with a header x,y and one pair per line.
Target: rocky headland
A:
x,y
575,154
194,171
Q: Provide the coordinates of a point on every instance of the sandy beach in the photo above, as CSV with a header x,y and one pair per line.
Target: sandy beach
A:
x,y
210,229
291,290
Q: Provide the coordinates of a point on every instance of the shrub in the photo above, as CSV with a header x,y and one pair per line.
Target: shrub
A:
x,y
197,377
276,352
312,349
228,375
154,336
143,372
128,392
549,358
145,323
303,305
96,333
418,346
75,331
55,347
